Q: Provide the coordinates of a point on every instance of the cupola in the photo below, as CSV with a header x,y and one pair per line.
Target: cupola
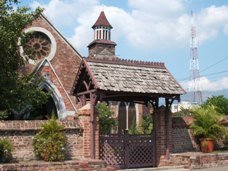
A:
x,y
102,47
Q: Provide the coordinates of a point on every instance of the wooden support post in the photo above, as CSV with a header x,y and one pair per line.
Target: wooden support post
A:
x,y
92,125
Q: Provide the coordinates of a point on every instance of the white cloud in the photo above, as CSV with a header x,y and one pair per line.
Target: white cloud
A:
x,y
145,25
208,85
159,8
65,12
211,21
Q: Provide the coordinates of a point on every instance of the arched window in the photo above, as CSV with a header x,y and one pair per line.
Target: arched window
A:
x,y
45,111
56,99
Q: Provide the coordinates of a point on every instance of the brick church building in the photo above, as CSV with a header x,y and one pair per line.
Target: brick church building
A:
x,y
77,84
58,62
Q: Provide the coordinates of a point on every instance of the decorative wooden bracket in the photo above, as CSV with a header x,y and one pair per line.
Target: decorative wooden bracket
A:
x,y
155,102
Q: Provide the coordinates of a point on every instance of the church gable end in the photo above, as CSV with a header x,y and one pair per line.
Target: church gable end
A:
x,y
63,60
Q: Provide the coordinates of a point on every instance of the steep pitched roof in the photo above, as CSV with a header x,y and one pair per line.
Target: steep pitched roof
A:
x,y
59,34
132,77
102,21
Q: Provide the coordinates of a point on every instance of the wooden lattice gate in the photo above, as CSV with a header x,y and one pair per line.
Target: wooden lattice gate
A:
x,y
128,151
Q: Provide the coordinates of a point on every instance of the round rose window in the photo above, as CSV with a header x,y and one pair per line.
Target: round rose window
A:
x,y
38,44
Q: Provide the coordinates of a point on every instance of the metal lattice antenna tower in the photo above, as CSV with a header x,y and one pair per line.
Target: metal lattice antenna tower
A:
x,y
194,88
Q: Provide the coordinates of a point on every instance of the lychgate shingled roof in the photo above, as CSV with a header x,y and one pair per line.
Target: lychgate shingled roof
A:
x,y
130,77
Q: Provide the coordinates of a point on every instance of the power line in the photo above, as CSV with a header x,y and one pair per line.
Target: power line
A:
x,y
214,73
210,66
214,64
215,78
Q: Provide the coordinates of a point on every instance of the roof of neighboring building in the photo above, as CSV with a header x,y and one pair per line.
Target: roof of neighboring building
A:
x,y
102,21
132,76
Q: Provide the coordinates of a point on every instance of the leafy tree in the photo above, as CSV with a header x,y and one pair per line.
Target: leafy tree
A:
x,y
220,103
106,120
17,91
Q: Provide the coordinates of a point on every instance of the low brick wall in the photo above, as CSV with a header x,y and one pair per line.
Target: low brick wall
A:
x,y
199,160
73,165
21,133
183,140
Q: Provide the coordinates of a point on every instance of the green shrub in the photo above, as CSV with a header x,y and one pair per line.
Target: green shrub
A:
x,y
147,124
134,129
5,151
50,143
145,128
207,123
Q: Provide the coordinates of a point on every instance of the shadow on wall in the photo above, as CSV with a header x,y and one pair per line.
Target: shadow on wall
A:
x,y
183,140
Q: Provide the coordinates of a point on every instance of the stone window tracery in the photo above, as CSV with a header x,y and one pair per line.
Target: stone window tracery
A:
x,y
39,44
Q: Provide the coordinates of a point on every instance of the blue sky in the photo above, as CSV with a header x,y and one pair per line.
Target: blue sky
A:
x,y
152,30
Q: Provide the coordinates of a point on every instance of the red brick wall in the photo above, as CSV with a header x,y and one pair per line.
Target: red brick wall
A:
x,y
65,62
89,165
96,48
21,133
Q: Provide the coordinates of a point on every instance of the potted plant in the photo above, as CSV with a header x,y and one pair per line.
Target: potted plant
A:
x,y
207,127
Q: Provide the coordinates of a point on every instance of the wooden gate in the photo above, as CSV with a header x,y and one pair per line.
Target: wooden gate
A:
x,y
128,151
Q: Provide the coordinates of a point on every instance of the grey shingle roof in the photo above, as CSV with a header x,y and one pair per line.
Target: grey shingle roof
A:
x,y
124,77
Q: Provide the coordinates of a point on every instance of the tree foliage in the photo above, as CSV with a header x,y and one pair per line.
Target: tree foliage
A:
x,y
106,120
220,103
17,91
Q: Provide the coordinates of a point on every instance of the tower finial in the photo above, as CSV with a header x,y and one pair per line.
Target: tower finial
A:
x,y
102,7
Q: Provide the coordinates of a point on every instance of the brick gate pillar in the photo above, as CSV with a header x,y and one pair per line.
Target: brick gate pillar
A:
x,y
84,115
163,133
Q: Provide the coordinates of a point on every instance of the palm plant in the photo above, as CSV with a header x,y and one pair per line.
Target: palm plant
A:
x,y
206,124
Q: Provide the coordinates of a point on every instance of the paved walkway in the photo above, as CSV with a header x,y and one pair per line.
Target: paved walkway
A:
x,y
172,168
225,168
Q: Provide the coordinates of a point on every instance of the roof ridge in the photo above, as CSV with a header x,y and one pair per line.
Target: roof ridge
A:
x,y
129,62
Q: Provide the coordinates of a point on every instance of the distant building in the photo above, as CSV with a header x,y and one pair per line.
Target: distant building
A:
x,y
183,105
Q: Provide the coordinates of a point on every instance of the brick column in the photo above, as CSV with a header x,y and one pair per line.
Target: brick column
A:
x,y
85,119
169,139
97,136
163,133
